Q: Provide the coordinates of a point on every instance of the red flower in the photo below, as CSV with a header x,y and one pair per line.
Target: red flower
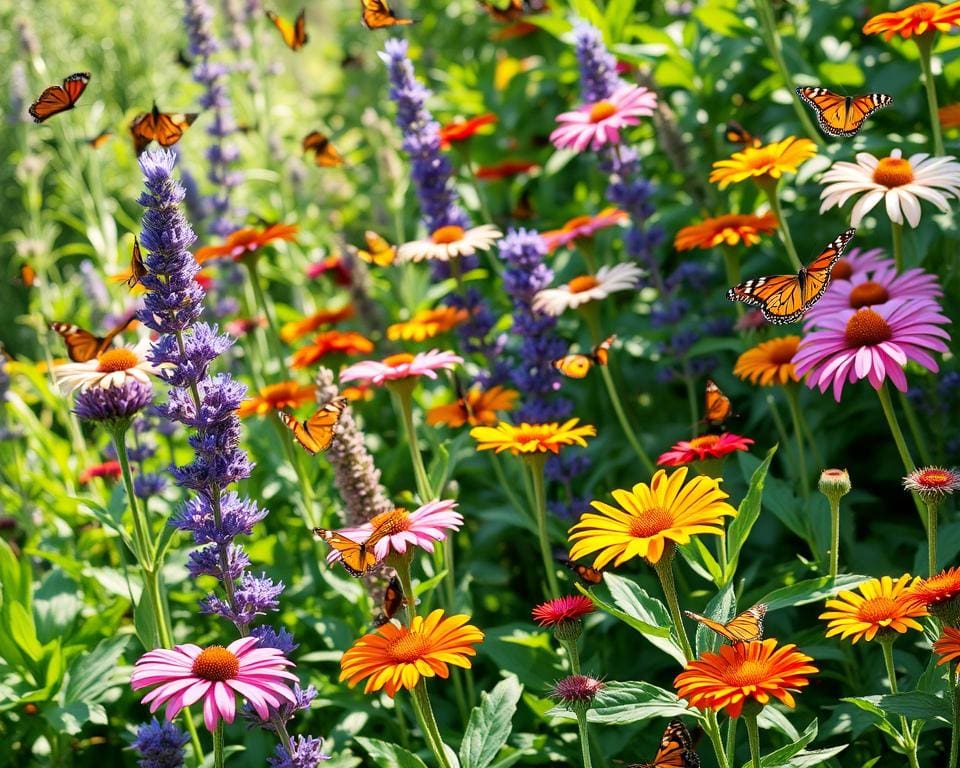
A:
x,y
110,469
704,447
461,130
505,169
332,264
244,242
561,609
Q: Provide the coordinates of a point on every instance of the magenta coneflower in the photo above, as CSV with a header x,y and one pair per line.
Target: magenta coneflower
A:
x,y
189,673
401,366
872,344
576,689
703,448
594,125
857,260
869,289
562,609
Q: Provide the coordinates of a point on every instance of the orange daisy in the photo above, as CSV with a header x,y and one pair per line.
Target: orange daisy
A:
x,y
947,647
296,329
582,227
765,163
395,657
277,397
770,362
949,116
757,670
461,130
427,323
730,229
882,606
917,19
331,343
938,590
481,408
244,242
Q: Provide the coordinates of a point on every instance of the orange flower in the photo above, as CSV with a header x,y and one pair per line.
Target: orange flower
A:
x,y
480,408
427,323
883,606
757,670
244,242
395,657
917,19
949,116
461,130
941,588
948,646
298,328
581,227
731,229
330,343
765,163
335,266
505,169
277,397
769,362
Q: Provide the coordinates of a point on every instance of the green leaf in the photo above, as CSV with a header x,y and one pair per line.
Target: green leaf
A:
x,y
640,626
701,560
782,756
490,724
423,587
71,718
869,705
145,621
722,607
747,514
616,15
15,576
23,632
810,591
92,674
629,702
389,755
915,705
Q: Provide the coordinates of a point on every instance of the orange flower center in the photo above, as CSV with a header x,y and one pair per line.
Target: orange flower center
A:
x,y
878,610
783,353
583,283
893,172
705,441
841,270
650,523
408,648
934,478
113,360
446,235
389,523
868,293
748,672
867,329
576,222
216,663
602,110
401,358
762,159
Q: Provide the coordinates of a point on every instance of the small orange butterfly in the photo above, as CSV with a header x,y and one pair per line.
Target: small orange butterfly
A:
x,y
357,558
586,573
59,98
577,366
676,749
743,628
83,346
163,127
378,252
393,601
137,268
294,35
717,405
376,14
737,134
842,115
316,433
324,153
99,140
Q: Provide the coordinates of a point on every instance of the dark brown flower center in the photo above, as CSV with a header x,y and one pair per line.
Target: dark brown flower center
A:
x,y
867,294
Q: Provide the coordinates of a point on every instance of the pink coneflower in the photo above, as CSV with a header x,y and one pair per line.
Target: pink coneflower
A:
x,y
704,447
401,366
869,289
594,125
189,673
872,344
562,609
933,483
856,260
110,469
583,227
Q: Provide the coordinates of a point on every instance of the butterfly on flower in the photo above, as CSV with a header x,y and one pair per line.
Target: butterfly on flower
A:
x,y
737,134
357,557
742,628
83,346
577,366
294,35
137,268
717,407
316,434
99,140
166,128
786,298
676,749
585,573
393,601
376,14
842,115
324,153
378,251
512,10
59,98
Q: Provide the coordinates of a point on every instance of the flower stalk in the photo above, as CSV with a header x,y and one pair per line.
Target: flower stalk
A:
x,y
884,394
925,47
896,231
664,569
907,741
536,463
770,188
753,736
583,730
421,705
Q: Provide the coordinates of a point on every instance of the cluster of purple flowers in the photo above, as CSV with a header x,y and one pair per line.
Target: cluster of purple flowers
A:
x,y
160,745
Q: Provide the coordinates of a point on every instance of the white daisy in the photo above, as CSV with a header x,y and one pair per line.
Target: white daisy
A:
x,y
112,368
586,288
450,242
901,183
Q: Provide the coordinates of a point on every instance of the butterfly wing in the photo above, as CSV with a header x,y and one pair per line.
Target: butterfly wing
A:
x,y
143,131
324,153
392,600
294,35
601,353
378,252
717,405
316,433
585,573
356,557
99,140
59,98
169,127
675,751
779,297
377,14
841,115
300,37
717,626
817,274
737,134
747,626
82,345
574,366
137,268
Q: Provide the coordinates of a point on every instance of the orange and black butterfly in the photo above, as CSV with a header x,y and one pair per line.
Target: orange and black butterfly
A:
x,y
512,10
786,298
294,35
676,749
717,408
392,602
576,366
378,252
585,573
59,98
842,115
137,268
357,558
737,134
82,345
99,140
316,433
323,150
376,14
742,628
165,128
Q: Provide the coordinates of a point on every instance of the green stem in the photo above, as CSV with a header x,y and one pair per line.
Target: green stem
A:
x,y
907,742
622,418
834,503
218,745
583,728
770,188
932,537
884,394
692,404
570,646
664,569
712,728
505,485
140,531
955,729
913,424
273,337
897,230
797,418
536,462
753,736
731,739
403,404
401,564
925,46
421,701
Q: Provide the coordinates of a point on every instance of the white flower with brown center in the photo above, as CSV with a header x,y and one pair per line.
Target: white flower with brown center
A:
x,y
587,288
112,368
450,242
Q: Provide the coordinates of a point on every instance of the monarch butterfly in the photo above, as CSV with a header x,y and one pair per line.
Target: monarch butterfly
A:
x,y
99,140
513,9
743,628
676,749
842,115
576,366
316,433
165,128
379,252
324,153
294,35
357,558
585,573
137,268
392,602
786,298
59,98
376,14
737,134
717,405
82,345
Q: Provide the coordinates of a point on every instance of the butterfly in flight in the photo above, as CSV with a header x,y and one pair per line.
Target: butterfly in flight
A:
x,y
512,10
137,268
786,298
717,408
392,602
742,628
59,98
737,134
577,366
316,433
842,115
83,346
376,14
585,573
378,252
676,749
294,35
165,128
324,153
99,140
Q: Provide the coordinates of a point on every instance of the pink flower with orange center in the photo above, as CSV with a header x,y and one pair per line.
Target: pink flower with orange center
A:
x,y
562,609
704,447
583,227
596,125
402,366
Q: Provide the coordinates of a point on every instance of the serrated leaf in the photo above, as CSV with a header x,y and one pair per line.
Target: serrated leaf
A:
x,y
916,705
389,755
629,702
747,514
91,673
640,626
490,724
810,591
